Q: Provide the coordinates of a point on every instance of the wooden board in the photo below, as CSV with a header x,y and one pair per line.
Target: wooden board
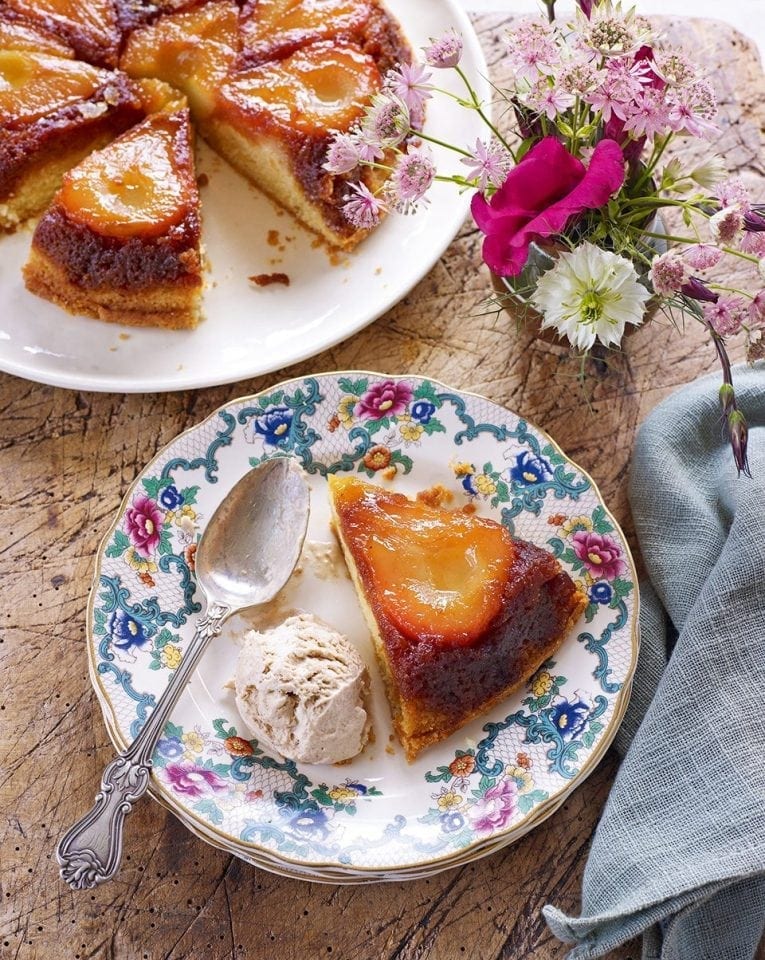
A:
x,y
66,459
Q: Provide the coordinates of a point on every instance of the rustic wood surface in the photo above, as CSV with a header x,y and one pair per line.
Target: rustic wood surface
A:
x,y
67,459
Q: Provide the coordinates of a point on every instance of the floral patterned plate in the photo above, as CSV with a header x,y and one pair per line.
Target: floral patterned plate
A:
x,y
376,817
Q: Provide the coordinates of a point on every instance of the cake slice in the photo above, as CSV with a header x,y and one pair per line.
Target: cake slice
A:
x,y
120,241
19,33
274,29
461,612
53,112
91,27
274,123
192,49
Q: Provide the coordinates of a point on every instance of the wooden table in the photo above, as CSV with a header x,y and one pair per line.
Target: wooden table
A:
x,y
67,459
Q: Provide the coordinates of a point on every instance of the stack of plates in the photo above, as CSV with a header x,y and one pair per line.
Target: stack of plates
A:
x,y
376,817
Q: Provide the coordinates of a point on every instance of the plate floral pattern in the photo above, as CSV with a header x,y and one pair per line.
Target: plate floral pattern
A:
x,y
377,814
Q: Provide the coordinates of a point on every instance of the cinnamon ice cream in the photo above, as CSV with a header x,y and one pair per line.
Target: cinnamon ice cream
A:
x,y
300,688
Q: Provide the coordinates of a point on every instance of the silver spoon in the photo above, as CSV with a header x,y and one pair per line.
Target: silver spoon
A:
x,y
247,553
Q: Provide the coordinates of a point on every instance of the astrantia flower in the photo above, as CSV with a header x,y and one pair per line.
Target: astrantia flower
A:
x,y
754,243
410,180
612,33
648,115
387,121
343,154
702,256
726,225
757,310
410,83
590,294
488,164
445,51
733,192
362,208
726,316
668,273
549,99
709,173
674,68
532,50
692,110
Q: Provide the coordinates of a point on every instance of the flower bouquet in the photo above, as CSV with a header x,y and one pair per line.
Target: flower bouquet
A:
x,y
571,203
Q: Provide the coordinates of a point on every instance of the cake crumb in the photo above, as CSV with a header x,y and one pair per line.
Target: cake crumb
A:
x,y
469,507
202,180
124,336
389,473
316,242
389,749
113,349
273,238
435,496
378,271
266,279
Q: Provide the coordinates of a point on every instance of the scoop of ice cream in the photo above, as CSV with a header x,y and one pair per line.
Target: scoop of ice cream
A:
x,y
300,688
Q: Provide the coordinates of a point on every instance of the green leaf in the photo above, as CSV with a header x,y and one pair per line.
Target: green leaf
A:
x,y
172,730
322,795
433,426
373,426
373,792
211,810
189,494
152,485
590,612
487,468
568,556
426,391
165,547
119,545
621,588
503,493
155,664
441,774
401,460
223,731
528,800
350,808
599,522
485,783
163,638
356,387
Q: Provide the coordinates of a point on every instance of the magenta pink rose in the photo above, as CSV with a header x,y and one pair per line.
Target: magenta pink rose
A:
x,y
143,522
540,196
386,398
496,807
600,553
192,780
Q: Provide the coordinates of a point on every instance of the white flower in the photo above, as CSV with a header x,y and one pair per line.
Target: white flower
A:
x,y
709,173
590,294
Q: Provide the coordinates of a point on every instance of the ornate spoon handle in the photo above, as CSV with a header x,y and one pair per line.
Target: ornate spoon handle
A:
x,y
90,851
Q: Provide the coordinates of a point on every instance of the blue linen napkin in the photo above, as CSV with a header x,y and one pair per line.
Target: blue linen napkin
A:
x,y
679,854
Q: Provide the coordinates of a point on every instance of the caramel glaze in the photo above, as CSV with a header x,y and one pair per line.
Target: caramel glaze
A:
x,y
92,260
538,601
43,138
377,35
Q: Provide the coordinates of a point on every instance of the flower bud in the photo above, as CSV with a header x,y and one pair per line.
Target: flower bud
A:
x,y
697,290
727,398
738,432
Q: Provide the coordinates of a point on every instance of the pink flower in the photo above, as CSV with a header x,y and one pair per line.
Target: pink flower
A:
x,y
549,100
387,121
648,115
668,273
362,208
143,522
343,154
488,164
702,256
600,554
411,178
733,192
757,310
532,50
726,315
192,780
693,109
726,225
410,84
540,196
496,807
754,243
444,52
385,398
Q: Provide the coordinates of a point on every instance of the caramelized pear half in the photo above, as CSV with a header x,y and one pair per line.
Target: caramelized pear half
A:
x,y
33,85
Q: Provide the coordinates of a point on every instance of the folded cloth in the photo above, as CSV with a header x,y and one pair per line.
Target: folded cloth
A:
x,y
679,853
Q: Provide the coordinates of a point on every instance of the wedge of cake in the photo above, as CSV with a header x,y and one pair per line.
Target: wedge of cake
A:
x,y
120,241
274,123
274,29
19,33
53,112
461,612
93,28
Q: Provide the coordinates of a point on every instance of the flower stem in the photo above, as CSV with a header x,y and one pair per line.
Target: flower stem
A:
x,y
442,143
479,110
